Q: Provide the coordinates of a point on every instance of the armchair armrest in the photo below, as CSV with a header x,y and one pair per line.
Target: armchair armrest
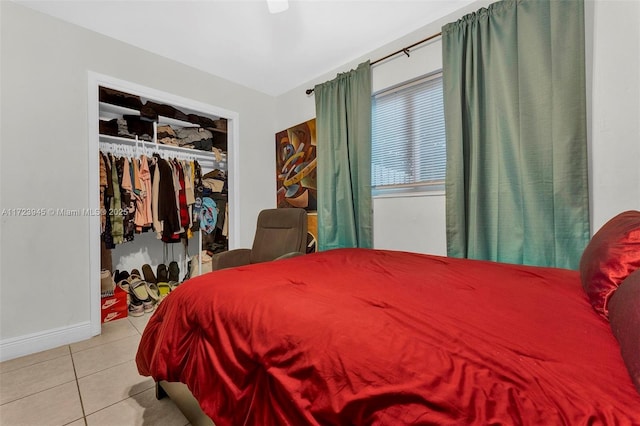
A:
x,y
230,259
289,255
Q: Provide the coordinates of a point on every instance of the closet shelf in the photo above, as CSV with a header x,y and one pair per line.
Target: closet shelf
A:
x,y
110,111
174,122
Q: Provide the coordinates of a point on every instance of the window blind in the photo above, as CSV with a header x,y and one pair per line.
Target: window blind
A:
x,y
408,135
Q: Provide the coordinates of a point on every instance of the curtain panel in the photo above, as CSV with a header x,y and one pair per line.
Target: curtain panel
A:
x,y
343,133
515,113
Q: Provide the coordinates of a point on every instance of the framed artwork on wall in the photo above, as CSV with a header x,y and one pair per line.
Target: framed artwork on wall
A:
x,y
296,166
296,177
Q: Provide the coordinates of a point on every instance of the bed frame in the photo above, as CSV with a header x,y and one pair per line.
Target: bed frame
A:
x,y
185,401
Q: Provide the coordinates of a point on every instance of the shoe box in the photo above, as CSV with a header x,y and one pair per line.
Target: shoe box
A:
x,y
114,306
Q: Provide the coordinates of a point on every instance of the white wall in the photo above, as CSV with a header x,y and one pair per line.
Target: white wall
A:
x,y
44,270
615,109
613,40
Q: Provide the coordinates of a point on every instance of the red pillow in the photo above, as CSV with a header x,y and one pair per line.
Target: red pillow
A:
x,y
611,256
624,315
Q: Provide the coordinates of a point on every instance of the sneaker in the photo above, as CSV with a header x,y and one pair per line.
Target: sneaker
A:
x,y
136,309
140,294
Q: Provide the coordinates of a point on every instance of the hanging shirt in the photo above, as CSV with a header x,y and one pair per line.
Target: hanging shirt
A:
x,y
117,230
188,182
144,216
208,215
103,188
127,200
107,234
155,195
182,198
167,206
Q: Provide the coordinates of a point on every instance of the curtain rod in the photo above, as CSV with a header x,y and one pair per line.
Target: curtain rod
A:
x,y
404,50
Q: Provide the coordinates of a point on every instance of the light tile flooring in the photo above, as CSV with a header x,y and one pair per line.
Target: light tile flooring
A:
x,y
89,383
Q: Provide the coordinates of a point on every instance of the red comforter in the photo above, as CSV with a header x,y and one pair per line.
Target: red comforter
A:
x,y
359,337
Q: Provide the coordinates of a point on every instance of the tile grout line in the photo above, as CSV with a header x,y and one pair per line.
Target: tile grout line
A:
x,y
31,365
118,402
104,369
105,343
71,353
36,393
124,362
124,399
41,390
75,373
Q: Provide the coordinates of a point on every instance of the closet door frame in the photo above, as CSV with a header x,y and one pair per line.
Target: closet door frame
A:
x,y
95,80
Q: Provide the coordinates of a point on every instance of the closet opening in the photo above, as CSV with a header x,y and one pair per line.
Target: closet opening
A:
x,y
162,174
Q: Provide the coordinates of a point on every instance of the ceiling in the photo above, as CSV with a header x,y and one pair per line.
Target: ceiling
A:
x,y
239,40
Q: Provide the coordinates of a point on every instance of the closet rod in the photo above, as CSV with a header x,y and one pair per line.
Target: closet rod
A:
x,y
404,50
130,146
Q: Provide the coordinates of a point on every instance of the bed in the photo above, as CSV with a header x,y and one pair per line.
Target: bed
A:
x,y
377,337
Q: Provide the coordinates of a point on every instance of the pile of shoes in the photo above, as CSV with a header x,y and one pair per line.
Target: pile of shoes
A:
x,y
145,291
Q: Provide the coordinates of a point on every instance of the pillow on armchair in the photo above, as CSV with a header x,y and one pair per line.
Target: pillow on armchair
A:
x,y
611,256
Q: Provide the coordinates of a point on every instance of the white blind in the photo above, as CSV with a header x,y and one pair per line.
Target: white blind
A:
x,y
408,136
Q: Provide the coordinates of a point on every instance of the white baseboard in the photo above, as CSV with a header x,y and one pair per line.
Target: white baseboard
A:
x,y
36,342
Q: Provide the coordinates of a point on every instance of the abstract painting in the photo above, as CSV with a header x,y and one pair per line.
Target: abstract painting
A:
x,y
296,175
296,166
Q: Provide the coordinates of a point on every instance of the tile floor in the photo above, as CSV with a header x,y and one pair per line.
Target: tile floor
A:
x,y
89,383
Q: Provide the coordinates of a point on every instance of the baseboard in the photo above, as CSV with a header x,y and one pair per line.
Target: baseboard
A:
x,y
37,342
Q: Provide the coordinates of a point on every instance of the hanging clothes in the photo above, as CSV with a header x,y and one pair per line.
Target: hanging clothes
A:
x,y
155,193
135,177
103,188
117,229
182,198
167,206
208,215
188,182
198,194
107,236
127,200
144,216
187,167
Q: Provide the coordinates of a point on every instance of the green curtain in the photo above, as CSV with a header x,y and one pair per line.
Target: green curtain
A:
x,y
515,114
343,134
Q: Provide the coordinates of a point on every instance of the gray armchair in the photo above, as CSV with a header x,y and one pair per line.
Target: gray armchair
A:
x,y
280,233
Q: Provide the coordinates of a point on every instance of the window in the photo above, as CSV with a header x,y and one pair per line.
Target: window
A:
x,y
408,137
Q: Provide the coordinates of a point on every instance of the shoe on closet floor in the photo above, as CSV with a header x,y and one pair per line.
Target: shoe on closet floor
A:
x,y
136,308
149,276
123,283
164,289
139,293
136,273
120,275
174,271
153,290
161,274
